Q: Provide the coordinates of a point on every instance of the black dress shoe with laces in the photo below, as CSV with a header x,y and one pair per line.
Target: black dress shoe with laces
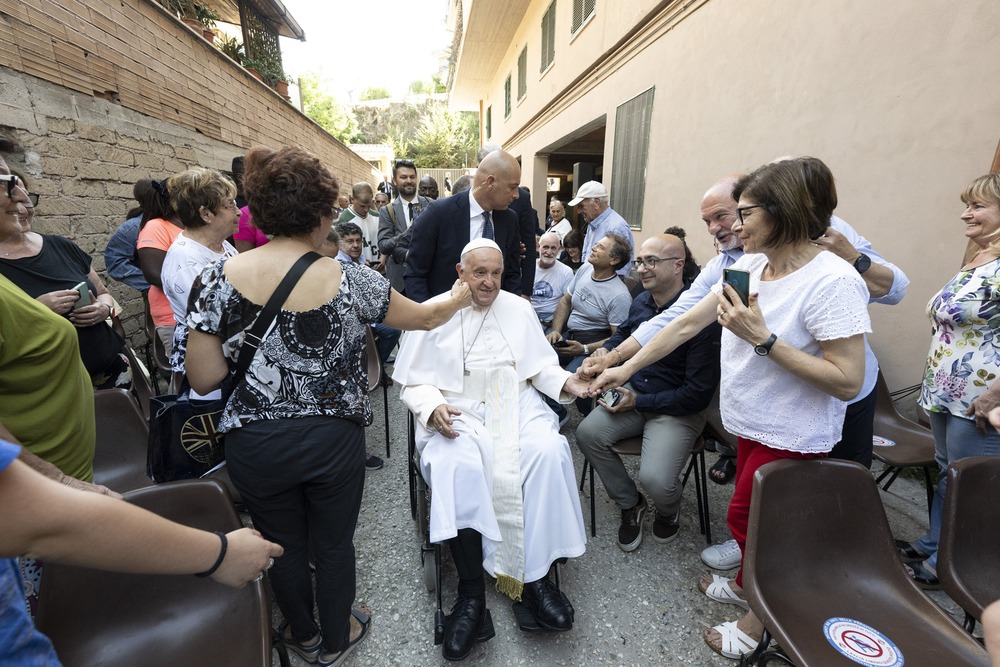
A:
x,y
462,628
550,607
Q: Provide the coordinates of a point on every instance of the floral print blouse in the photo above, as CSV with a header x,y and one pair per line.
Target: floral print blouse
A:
x,y
963,361
309,363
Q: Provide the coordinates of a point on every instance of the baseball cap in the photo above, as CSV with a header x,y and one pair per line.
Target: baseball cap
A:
x,y
588,190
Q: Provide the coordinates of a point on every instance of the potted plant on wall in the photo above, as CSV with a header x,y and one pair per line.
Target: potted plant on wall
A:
x,y
233,48
207,18
255,67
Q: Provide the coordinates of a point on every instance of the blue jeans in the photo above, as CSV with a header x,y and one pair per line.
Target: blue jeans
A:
x,y
955,438
385,339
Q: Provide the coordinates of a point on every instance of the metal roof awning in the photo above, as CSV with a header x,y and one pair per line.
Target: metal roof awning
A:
x,y
271,11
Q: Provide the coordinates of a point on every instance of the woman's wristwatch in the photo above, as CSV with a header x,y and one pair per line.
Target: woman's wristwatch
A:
x,y
764,349
586,349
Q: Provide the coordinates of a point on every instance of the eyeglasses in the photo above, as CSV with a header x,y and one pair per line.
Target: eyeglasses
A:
x,y
739,211
33,197
651,262
12,182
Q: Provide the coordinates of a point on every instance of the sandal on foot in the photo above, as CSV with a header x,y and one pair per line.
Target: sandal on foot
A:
x,y
335,659
735,642
308,650
723,470
720,591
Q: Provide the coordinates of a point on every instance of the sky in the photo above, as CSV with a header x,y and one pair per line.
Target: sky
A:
x,y
356,44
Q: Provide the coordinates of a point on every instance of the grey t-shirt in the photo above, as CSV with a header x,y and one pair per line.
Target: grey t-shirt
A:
x,y
597,304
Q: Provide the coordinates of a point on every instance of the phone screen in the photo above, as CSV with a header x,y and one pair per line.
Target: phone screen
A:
x,y
740,281
611,397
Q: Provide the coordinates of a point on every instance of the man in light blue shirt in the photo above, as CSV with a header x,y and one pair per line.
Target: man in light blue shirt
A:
x,y
603,220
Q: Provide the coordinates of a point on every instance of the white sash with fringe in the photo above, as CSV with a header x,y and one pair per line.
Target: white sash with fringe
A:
x,y
499,390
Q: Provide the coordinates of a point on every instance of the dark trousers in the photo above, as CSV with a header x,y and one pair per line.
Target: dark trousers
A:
x,y
859,428
302,480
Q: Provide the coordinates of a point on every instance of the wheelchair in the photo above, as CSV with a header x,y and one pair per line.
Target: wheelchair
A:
x,y
420,511
431,553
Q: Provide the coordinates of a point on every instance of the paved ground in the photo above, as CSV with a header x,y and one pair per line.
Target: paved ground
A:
x,y
641,608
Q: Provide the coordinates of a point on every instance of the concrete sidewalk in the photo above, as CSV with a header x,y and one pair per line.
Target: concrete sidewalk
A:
x,y
640,608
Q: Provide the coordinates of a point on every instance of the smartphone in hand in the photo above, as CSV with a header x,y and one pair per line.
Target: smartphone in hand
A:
x,y
611,397
740,281
84,292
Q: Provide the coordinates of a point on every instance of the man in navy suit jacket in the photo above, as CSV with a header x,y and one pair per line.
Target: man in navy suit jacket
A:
x,y
447,225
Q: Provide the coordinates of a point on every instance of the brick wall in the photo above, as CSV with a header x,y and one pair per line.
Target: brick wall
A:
x,y
101,94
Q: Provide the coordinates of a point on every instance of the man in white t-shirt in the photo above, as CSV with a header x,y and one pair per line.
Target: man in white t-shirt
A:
x,y
552,279
360,213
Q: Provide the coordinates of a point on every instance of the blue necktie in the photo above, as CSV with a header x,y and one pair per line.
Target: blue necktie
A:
x,y
488,226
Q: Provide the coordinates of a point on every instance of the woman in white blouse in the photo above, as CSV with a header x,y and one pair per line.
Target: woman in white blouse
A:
x,y
205,202
790,360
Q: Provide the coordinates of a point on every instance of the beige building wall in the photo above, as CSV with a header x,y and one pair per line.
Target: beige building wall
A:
x,y
898,98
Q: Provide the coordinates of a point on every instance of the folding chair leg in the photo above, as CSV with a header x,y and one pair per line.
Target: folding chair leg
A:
x,y
385,404
583,476
701,488
894,472
278,643
593,510
970,623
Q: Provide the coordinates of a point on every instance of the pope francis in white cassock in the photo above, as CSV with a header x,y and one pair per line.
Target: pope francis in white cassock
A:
x,y
503,489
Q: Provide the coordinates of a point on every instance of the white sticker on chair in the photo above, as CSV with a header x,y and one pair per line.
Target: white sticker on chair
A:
x,y
879,441
862,643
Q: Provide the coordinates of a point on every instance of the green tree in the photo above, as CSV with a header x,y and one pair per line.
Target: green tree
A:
x,y
419,88
375,93
324,109
445,138
426,132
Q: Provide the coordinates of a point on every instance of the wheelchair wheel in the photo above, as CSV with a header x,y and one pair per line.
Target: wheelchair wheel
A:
x,y
423,510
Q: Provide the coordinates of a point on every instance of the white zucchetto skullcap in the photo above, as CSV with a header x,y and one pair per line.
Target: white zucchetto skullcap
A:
x,y
476,244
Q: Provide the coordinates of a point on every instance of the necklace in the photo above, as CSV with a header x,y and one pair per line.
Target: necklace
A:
x,y
468,351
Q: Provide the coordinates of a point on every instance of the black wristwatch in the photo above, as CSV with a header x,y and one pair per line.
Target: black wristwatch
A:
x,y
764,348
863,263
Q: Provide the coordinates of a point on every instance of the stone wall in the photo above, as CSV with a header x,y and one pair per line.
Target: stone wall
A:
x,y
105,93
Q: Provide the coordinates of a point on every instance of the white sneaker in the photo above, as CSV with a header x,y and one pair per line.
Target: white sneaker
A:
x,y
723,556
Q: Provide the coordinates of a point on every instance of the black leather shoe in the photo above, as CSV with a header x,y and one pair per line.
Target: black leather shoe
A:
x,y
462,628
909,553
549,606
923,578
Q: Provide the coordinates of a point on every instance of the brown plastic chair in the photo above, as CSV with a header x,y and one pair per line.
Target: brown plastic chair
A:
x,y
375,378
160,355
122,436
970,535
914,444
819,550
713,422
633,447
122,620
141,381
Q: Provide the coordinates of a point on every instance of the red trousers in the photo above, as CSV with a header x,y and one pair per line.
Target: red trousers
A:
x,y
751,455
